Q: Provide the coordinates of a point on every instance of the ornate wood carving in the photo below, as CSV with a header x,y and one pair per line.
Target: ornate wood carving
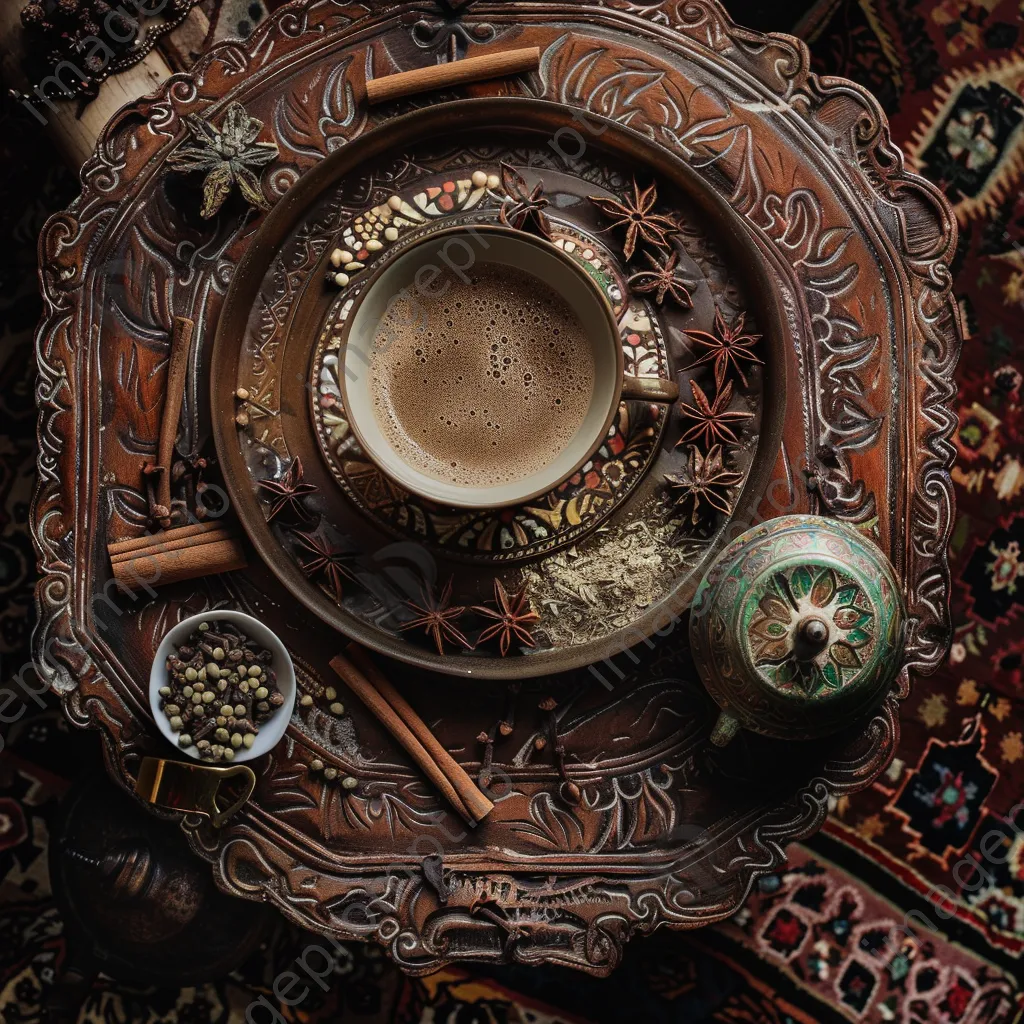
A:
x,y
638,824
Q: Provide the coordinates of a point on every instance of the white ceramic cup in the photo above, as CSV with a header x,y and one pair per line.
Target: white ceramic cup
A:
x,y
422,267
274,727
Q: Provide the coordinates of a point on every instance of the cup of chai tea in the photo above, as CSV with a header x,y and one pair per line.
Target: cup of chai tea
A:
x,y
482,366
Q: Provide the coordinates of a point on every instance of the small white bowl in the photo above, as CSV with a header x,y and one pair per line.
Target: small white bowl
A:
x,y
274,727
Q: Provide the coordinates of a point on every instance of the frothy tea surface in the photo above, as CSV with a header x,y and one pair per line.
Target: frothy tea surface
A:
x,y
484,384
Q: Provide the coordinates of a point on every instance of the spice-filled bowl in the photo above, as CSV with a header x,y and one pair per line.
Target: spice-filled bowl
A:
x,y
260,699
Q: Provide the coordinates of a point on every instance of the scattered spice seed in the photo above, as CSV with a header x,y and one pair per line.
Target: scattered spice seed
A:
x,y
589,594
508,719
568,790
485,774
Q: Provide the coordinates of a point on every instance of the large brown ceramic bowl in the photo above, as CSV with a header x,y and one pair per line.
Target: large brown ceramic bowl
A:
x,y
264,289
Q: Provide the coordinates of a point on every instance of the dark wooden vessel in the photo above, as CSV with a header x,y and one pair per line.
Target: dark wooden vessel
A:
x,y
624,818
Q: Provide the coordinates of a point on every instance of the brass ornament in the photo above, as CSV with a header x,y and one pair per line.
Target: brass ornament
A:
x,y
195,788
797,629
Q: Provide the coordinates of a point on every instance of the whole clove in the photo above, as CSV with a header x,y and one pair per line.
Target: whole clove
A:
x,y
508,720
484,776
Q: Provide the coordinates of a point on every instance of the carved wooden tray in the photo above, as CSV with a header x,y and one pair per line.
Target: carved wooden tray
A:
x,y
627,820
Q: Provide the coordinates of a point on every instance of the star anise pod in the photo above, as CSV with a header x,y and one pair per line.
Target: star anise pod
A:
x,y
704,483
330,563
522,208
437,617
635,215
285,495
229,155
713,419
512,617
662,280
727,346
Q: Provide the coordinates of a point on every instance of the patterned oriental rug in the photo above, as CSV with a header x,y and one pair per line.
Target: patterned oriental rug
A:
x,y
941,834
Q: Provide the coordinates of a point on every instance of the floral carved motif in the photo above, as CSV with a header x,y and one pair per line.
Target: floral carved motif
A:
x,y
824,596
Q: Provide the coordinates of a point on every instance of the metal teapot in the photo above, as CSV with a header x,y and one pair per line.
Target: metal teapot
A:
x,y
797,629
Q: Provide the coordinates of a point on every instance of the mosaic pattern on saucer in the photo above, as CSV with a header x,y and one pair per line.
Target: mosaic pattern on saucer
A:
x,y
560,517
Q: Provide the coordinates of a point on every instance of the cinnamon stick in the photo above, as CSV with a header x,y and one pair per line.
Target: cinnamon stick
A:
x,y
456,72
169,543
368,683
177,365
155,567
386,715
119,547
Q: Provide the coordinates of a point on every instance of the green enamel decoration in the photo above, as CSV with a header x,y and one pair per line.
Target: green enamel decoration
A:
x,y
811,628
851,618
800,582
843,654
774,607
831,676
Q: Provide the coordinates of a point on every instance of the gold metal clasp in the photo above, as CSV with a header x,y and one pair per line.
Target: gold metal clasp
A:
x,y
195,788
